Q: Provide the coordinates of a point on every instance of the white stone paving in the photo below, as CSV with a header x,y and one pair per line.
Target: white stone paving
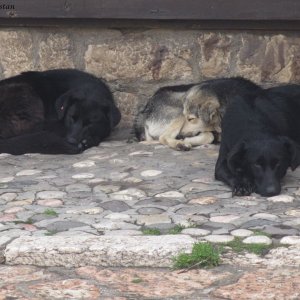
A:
x,y
151,173
257,239
290,240
119,189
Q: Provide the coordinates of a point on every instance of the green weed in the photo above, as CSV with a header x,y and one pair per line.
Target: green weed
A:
x,y
203,255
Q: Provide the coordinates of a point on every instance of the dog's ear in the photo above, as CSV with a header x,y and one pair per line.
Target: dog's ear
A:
x,y
294,151
62,103
209,111
235,156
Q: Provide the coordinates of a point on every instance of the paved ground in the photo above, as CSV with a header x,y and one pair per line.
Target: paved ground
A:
x,y
90,210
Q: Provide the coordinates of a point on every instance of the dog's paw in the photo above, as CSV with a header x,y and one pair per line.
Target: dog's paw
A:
x,y
182,146
72,149
245,188
83,145
132,139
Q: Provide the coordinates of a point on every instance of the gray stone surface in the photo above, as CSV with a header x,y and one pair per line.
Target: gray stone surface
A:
x,y
102,192
115,206
63,226
75,251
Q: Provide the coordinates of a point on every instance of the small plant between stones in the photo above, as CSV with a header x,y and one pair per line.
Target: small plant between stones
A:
x,y
151,231
137,280
50,212
260,232
176,230
28,221
203,255
237,245
50,232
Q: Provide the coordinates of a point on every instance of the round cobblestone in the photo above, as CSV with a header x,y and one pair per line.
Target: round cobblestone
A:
x,y
241,232
170,194
224,219
265,216
290,240
8,196
83,176
75,188
215,238
51,195
281,198
14,210
150,210
118,216
84,164
195,232
28,172
50,202
6,179
151,173
106,188
257,239
293,212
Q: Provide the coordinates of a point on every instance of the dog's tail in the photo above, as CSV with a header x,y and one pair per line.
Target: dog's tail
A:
x,y
138,129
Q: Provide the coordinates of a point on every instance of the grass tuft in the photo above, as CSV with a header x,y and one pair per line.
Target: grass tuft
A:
x,y
50,232
237,245
50,212
151,231
203,255
260,232
176,230
137,280
28,221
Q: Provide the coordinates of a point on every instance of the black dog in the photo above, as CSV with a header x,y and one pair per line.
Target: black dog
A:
x,y
56,111
260,136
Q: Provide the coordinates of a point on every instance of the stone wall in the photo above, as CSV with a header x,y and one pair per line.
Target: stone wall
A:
x,y
135,62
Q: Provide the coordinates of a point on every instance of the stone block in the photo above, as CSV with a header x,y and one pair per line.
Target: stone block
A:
x,y
16,52
56,52
272,58
127,104
76,251
138,57
215,53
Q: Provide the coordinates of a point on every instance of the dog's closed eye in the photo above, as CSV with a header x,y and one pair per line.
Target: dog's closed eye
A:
x,y
275,163
191,118
259,164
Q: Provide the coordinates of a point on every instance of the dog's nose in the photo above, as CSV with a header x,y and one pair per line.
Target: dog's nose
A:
x,y
71,140
272,191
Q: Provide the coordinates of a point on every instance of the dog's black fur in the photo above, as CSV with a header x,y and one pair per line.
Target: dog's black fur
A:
x,y
260,140
55,111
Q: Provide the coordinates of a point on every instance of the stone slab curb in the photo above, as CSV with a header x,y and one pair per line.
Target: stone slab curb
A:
x,y
114,251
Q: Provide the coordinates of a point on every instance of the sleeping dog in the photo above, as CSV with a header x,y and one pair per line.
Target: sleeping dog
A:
x,y
188,115
56,111
260,140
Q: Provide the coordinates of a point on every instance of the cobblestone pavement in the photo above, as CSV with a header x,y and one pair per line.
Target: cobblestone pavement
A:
x,y
91,210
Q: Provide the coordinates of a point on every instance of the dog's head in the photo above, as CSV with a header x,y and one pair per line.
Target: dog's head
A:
x,y
201,104
264,162
85,118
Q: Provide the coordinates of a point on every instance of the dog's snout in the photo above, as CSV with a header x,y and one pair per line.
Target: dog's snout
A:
x,y
71,140
271,190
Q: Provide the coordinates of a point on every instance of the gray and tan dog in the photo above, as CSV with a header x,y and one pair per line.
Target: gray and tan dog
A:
x,y
184,116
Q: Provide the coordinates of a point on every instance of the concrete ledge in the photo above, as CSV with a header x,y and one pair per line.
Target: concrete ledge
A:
x,y
106,251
